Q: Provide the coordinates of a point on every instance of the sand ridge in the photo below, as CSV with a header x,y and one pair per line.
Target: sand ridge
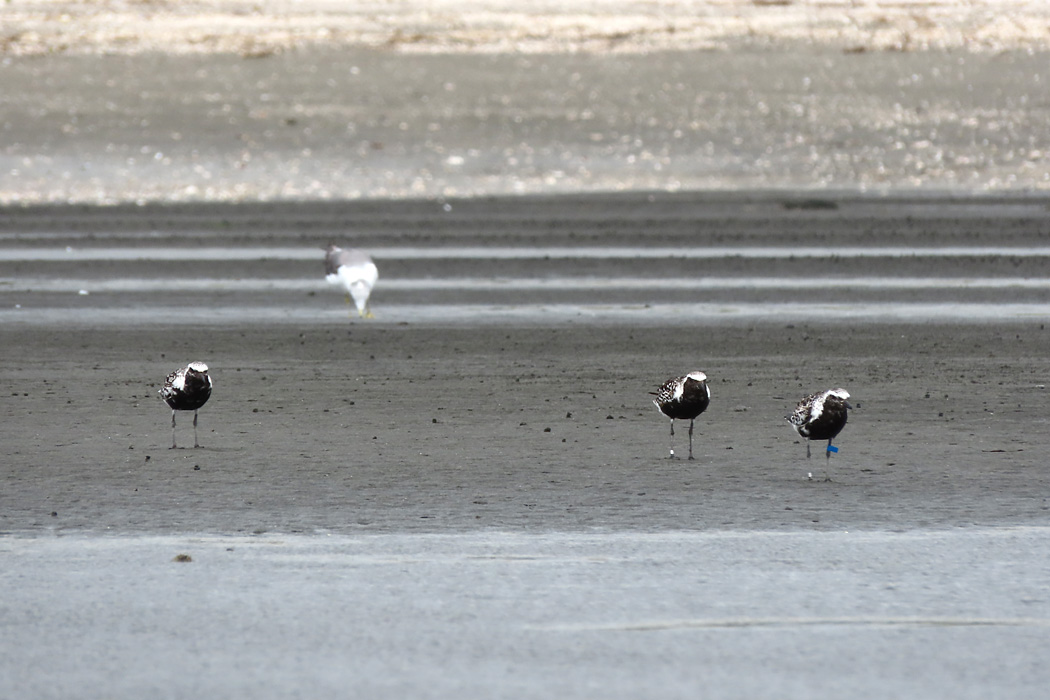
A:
x,y
252,29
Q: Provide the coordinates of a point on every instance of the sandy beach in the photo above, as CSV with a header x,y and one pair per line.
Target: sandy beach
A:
x,y
108,103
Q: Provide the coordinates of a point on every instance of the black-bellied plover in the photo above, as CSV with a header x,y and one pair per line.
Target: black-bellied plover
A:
x,y
187,389
821,416
683,398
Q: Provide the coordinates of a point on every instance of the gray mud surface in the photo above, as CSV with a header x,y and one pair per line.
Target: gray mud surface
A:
x,y
420,429
321,423
469,496
333,124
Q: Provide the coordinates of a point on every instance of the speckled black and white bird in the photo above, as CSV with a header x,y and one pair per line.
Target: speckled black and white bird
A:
x,y
821,416
683,398
354,270
187,389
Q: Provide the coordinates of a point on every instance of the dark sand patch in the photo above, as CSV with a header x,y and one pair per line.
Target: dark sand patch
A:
x,y
395,429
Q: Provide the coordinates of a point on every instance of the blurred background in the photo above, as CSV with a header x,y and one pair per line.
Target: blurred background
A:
x,y
232,100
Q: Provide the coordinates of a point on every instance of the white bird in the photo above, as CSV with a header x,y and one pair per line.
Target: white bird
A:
x,y
187,389
354,270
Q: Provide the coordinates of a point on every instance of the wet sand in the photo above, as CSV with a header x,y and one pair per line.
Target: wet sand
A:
x,y
531,417
958,614
470,494
387,429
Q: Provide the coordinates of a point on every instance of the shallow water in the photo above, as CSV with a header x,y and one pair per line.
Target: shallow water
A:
x,y
497,252
640,285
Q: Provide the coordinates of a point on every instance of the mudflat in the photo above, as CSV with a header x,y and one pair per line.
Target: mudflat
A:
x,y
569,203
471,494
381,429
524,408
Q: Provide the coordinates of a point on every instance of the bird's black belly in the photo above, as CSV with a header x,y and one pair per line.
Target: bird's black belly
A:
x,y
687,408
194,395
827,426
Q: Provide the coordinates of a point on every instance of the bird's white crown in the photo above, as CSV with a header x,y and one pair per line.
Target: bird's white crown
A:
x,y
697,376
198,367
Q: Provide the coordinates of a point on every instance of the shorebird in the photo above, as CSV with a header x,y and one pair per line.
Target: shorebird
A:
x,y
354,270
821,416
683,397
187,389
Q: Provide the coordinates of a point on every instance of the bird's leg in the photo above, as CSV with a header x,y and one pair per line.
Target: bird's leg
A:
x,y
367,313
807,448
690,438
195,444
827,462
173,428
672,439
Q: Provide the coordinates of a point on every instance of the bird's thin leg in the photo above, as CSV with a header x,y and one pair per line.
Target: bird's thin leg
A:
x,y
195,443
827,462
672,439
690,438
807,448
173,428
